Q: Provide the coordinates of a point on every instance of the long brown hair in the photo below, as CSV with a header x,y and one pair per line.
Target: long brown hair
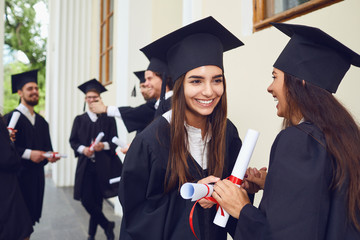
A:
x,y
341,133
177,171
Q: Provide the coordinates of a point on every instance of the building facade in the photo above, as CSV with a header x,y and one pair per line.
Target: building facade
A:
x,y
76,46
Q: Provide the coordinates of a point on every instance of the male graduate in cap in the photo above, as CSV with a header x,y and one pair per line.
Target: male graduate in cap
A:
x,y
143,89
136,119
32,141
95,167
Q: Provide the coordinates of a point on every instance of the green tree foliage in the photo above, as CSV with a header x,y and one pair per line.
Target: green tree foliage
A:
x,y
22,33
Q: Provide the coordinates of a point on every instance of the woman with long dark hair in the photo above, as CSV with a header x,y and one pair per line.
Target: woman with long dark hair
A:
x,y
193,142
312,188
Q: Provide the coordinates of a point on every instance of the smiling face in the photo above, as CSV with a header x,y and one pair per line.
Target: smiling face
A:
x,y
278,91
29,94
153,83
203,88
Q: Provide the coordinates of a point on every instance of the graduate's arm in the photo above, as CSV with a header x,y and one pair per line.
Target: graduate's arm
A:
x,y
8,153
74,138
295,200
112,133
137,118
144,211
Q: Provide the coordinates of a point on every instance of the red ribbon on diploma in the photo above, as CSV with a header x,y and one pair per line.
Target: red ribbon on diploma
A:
x,y
54,154
231,178
11,129
193,208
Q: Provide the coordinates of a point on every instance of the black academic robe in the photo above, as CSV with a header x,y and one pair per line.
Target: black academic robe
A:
x,y
149,213
108,164
298,202
136,119
31,174
15,221
164,106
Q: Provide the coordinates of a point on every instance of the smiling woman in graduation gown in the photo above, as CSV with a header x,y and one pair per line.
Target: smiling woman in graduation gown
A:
x,y
312,187
149,187
15,221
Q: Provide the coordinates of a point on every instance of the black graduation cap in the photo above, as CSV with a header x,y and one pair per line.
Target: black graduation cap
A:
x,y
314,56
140,75
198,44
92,84
19,80
157,65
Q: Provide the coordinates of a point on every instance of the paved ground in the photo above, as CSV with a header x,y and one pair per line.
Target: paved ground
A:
x,y
66,219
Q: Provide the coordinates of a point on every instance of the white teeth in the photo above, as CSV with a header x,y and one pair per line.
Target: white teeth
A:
x,y
275,99
205,102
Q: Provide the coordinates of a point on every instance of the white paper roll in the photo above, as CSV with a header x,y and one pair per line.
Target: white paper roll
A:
x,y
239,169
58,155
97,140
13,120
195,191
119,142
114,180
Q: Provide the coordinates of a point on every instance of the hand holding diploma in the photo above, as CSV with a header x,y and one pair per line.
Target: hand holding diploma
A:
x,y
123,146
239,170
37,156
230,197
97,140
54,156
13,121
199,191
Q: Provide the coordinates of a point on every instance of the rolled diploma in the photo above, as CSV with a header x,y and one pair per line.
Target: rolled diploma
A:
x,y
58,155
97,140
114,180
195,191
14,119
239,169
118,142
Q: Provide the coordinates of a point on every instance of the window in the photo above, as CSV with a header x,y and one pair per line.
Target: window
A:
x,y
106,41
266,11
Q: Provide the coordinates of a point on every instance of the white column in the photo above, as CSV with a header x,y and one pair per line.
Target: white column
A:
x,y
2,26
68,65
192,11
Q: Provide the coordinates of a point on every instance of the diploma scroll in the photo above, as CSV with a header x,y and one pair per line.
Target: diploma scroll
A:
x,y
119,142
196,191
97,140
54,155
114,180
13,121
238,172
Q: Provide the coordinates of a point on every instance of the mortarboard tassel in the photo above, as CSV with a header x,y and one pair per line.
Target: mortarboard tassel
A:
x,y
133,92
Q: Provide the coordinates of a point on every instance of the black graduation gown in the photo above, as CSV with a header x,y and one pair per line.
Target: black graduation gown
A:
x,y
164,106
31,175
298,202
108,164
136,119
151,214
15,221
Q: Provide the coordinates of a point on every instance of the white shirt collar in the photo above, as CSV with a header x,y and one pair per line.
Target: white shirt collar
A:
x,y
24,110
198,148
93,117
167,95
